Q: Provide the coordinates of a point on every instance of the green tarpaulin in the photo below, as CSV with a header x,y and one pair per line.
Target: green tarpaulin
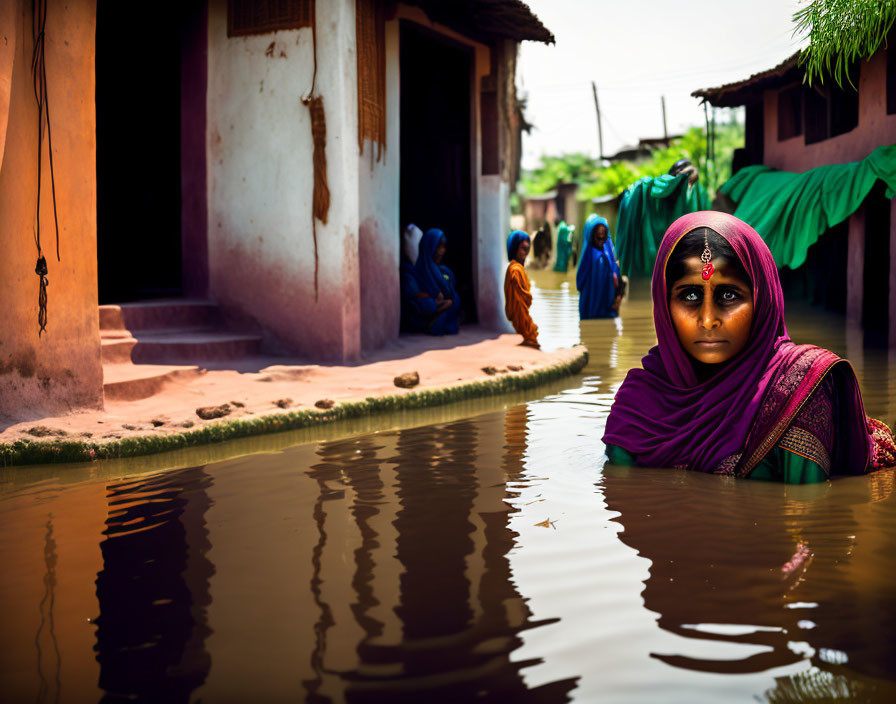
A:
x,y
648,207
791,211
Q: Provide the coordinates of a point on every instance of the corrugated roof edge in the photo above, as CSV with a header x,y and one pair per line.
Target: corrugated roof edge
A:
x,y
511,19
732,94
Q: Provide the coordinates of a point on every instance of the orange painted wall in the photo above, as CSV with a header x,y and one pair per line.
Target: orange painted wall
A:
x,y
61,369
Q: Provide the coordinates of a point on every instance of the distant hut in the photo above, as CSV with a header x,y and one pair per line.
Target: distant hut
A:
x,y
793,127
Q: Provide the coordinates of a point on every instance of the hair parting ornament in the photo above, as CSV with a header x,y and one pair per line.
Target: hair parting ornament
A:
x,y
706,258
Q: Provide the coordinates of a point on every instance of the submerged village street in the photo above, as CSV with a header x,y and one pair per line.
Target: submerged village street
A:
x,y
447,351
477,550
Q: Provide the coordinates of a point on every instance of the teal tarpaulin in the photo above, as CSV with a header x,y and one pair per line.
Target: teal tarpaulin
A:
x,y
648,207
791,211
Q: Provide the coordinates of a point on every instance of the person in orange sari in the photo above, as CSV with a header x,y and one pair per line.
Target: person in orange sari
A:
x,y
517,296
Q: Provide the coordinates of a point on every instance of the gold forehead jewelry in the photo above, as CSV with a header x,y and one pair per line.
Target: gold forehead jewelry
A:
x,y
706,258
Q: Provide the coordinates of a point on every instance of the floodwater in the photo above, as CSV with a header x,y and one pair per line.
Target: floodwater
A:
x,y
485,558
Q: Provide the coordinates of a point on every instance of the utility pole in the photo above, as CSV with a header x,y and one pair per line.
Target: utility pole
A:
x,y
600,134
665,130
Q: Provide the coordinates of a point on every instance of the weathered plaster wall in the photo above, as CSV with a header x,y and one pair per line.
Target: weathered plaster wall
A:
x,y
61,369
8,14
494,221
874,129
379,193
260,180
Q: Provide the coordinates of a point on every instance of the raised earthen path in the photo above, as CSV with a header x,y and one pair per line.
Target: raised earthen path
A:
x,y
271,394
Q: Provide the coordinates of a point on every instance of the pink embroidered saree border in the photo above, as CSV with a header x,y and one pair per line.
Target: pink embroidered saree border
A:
x,y
823,364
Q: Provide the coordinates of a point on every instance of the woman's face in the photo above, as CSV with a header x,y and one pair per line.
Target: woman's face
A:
x,y
522,251
600,236
439,254
712,318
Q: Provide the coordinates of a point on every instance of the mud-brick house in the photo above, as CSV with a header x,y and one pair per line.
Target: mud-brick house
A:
x,y
794,127
251,159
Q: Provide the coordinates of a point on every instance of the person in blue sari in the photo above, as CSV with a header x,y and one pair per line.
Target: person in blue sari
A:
x,y
597,277
437,282
417,308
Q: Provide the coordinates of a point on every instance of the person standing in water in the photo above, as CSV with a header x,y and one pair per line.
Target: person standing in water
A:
x,y
564,246
725,390
597,277
517,290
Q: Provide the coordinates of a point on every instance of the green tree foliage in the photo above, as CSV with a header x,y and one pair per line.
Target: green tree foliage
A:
x,y
566,168
597,180
841,32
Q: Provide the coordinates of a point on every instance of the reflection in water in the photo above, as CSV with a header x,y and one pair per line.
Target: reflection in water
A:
x,y
716,575
492,558
434,539
453,624
153,588
46,633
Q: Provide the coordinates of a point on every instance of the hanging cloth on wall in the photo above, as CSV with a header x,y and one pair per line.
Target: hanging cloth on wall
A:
x,y
39,79
791,211
370,37
320,208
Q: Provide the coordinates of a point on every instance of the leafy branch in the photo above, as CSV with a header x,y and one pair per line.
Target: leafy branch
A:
x,y
840,33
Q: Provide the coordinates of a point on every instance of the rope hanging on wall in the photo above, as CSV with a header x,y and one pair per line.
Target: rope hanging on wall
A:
x,y
39,79
321,191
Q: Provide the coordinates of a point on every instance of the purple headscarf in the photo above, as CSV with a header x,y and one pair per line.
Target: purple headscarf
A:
x,y
667,418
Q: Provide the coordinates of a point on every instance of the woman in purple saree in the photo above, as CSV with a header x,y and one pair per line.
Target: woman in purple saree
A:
x,y
725,390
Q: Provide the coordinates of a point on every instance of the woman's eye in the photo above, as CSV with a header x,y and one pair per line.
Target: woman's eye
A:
x,y
689,296
728,296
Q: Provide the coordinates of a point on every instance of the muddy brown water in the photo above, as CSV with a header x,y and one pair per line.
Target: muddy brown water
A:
x,y
483,558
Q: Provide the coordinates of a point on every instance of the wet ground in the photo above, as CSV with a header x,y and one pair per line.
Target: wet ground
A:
x,y
483,558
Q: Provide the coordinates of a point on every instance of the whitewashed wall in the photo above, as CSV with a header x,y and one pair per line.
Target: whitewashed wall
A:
x,y
260,180
379,195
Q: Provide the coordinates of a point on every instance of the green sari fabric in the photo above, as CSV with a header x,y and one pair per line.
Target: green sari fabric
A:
x,y
564,246
779,465
791,211
648,207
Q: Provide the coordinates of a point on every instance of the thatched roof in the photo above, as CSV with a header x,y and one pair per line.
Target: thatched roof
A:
x,y
508,19
750,89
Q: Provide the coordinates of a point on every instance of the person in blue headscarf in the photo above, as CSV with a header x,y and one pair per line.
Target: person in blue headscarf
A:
x,y
598,276
437,282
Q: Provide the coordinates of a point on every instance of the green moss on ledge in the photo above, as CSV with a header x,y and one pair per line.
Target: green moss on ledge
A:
x,y
29,452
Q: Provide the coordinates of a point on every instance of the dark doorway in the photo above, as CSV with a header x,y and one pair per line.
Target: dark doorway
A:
x,y
138,160
876,277
822,279
436,79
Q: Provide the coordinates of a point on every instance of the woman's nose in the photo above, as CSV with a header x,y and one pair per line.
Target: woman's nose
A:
x,y
708,317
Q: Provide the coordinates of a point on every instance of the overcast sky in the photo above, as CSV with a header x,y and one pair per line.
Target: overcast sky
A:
x,y
637,51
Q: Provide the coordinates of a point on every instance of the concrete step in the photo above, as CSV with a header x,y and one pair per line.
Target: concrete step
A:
x,y
161,346
151,315
130,382
117,349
